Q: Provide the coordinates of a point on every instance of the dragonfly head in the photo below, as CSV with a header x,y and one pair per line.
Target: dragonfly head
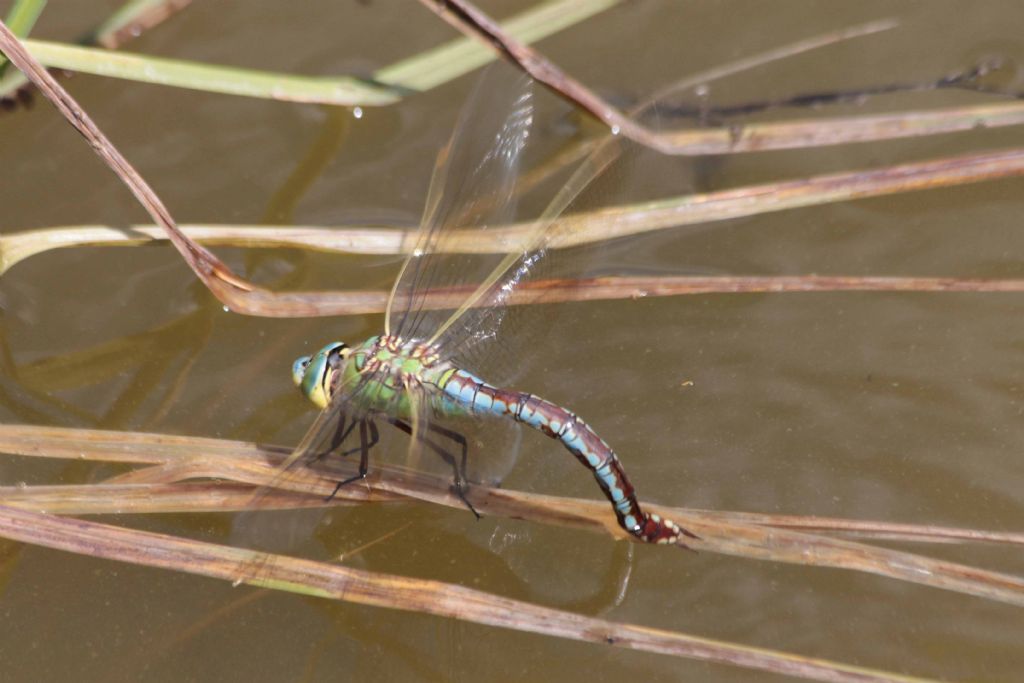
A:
x,y
312,374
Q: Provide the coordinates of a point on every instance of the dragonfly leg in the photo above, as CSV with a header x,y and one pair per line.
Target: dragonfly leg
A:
x,y
461,485
340,434
366,442
458,469
374,437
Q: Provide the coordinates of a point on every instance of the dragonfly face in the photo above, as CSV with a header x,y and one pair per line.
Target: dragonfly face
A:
x,y
312,374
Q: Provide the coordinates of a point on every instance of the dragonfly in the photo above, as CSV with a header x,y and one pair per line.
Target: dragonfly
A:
x,y
414,375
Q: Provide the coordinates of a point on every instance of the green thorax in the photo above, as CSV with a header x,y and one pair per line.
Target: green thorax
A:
x,y
382,372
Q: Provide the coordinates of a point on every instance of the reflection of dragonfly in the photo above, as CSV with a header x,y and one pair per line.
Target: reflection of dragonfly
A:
x,y
410,376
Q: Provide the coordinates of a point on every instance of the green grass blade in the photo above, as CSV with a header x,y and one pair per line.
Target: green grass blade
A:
x,y
124,24
422,72
21,19
342,90
23,16
449,61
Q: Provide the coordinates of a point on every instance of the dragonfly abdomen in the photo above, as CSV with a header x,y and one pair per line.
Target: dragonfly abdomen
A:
x,y
480,398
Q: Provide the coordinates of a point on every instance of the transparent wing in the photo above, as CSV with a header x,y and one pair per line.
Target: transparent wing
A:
x,y
473,186
476,191
475,323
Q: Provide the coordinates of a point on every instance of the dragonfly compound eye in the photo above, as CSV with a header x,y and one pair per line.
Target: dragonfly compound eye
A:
x,y
312,373
299,369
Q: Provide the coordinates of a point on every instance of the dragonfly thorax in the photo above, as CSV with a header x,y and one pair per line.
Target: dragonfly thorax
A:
x,y
377,375
403,358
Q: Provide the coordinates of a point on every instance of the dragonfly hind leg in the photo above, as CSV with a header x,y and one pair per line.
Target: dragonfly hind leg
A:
x,y
458,466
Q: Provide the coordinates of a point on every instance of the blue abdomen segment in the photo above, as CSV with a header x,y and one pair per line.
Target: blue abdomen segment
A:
x,y
480,398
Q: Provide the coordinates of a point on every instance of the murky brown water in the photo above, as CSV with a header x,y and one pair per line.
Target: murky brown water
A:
x,y
897,407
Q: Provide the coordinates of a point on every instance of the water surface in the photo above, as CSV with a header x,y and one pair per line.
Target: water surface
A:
x,y
896,407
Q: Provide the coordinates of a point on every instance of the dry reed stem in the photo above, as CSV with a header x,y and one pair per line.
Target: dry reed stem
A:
x,y
170,460
402,593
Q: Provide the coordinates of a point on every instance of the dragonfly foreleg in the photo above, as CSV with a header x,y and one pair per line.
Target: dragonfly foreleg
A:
x,y
458,466
368,438
340,434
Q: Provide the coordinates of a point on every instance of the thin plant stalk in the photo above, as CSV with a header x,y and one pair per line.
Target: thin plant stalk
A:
x,y
363,587
167,461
